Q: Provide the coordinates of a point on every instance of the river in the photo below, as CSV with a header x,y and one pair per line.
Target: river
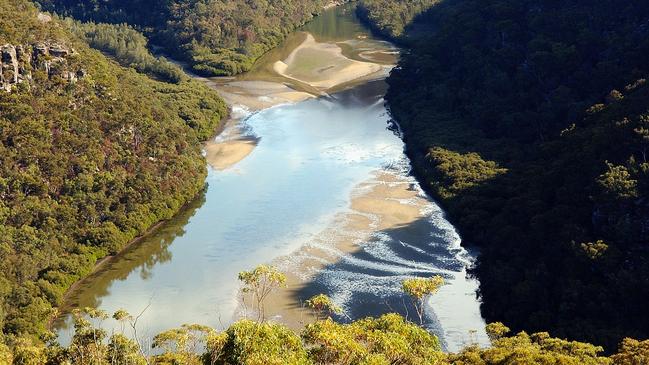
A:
x,y
308,177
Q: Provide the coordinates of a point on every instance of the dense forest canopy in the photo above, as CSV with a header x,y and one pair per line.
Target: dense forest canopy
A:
x,y
91,155
217,37
128,46
528,120
390,18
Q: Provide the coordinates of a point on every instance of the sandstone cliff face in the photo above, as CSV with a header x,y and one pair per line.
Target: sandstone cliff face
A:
x,y
18,62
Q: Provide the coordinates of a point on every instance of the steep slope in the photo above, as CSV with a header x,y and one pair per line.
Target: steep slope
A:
x,y
390,17
528,121
91,156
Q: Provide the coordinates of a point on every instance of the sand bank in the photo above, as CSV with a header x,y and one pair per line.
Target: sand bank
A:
x,y
258,95
310,70
387,201
323,65
253,95
223,155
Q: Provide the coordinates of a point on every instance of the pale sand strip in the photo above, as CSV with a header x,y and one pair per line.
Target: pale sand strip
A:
x,y
223,155
388,201
258,95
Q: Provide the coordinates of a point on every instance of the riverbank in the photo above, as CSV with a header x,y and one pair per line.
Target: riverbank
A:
x,y
389,203
308,179
105,263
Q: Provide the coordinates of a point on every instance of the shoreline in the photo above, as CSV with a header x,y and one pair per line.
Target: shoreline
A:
x,y
369,211
102,262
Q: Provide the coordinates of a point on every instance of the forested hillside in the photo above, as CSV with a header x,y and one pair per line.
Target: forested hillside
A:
x,y
216,37
91,155
390,18
529,121
128,46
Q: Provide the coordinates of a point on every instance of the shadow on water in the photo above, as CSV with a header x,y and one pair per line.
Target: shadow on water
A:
x,y
367,282
143,256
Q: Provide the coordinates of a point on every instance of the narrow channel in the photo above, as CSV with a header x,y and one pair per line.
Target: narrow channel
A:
x,y
306,176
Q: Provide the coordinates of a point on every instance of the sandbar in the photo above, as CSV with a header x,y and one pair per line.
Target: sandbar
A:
x,y
323,65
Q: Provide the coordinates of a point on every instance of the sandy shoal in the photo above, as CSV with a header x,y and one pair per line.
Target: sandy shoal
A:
x,y
223,155
258,95
316,67
384,202
253,95
323,65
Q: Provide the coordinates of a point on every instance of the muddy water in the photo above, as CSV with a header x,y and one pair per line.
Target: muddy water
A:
x,y
322,190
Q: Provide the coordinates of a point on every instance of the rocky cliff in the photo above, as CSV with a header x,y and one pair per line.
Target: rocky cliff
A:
x,y
18,62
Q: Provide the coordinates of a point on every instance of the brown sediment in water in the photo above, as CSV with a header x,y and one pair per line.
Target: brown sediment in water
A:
x,y
387,201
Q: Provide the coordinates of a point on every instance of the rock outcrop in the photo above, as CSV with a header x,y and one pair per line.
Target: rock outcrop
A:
x,y
18,62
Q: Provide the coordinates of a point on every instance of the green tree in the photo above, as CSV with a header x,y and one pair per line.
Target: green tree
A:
x,y
124,351
323,306
632,352
538,348
6,356
253,343
181,345
260,283
389,339
617,183
88,347
419,289
496,331
26,352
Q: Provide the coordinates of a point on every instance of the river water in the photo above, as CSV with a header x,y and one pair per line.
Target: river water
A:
x,y
312,159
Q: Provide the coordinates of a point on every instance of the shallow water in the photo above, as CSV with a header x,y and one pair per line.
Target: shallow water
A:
x,y
309,159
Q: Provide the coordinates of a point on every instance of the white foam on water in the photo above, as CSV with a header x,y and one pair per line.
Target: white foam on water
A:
x,y
384,261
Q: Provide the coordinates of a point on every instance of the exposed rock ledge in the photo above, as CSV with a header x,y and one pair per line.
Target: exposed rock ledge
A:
x,y
17,62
